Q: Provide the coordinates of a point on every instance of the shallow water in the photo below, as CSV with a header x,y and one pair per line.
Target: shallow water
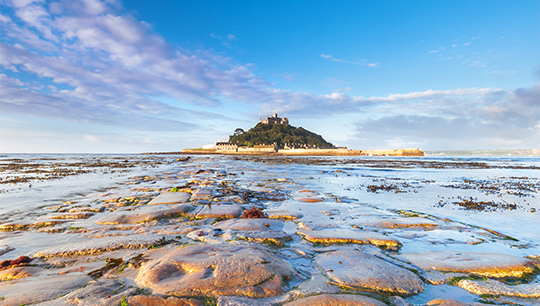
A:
x,y
351,190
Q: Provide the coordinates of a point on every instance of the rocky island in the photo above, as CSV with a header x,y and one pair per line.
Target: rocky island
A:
x,y
274,136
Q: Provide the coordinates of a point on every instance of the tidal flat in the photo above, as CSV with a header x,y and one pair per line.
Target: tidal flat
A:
x,y
88,229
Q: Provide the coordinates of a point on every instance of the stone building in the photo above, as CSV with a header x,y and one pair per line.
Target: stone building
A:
x,y
275,120
226,146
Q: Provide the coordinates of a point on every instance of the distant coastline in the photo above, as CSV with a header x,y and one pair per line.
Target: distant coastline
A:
x,y
517,152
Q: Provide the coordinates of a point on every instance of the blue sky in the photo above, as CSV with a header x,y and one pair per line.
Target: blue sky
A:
x,y
139,76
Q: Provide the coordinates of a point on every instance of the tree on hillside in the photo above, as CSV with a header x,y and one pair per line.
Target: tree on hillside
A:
x,y
267,134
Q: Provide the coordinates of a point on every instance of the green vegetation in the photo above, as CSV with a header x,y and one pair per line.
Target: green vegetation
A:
x,y
267,134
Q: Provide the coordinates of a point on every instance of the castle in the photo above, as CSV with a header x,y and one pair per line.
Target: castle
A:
x,y
275,120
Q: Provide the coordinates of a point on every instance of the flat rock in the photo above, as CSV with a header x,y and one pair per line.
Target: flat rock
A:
x,y
400,222
272,237
171,198
214,270
35,290
350,236
484,264
152,300
336,300
492,287
258,224
95,246
145,214
284,215
356,269
18,273
79,215
228,300
445,302
96,293
5,249
220,211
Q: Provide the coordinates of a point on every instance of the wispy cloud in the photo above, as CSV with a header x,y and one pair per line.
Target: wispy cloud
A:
x,y
435,51
362,63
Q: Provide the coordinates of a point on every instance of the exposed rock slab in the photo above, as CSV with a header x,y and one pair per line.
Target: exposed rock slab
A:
x,y
221,211
18,273
5,249
401,222
284,215
37,290
170,198
492,287
484,264
272,237
96,293
228,300
214,270
259,224
143,300
145,214
356,269
79,215
444,302
350,236
336,300
95,246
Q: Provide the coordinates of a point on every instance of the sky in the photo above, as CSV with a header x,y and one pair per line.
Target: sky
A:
x,y
154,76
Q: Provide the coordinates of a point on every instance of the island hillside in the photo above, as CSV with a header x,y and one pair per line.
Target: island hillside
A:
x,y
283,135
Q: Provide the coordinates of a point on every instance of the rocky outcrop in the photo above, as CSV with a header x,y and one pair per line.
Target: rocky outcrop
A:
x,y
95,246
215,270
477,263
356,269
143,300
145,214
170,198
491,287
220,211
350,236
336,300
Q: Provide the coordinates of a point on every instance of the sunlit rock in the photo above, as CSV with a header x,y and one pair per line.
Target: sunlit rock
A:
x,y
336,300
95,246
152,300
145,214
35,290
492,287
356,269
284,215
214,270
444,302
350,236
80,215
170,198
265,237
18,273
220,211
257,224
484,264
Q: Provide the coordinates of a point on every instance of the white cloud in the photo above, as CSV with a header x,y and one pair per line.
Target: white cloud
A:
x,y
435,51
362,63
